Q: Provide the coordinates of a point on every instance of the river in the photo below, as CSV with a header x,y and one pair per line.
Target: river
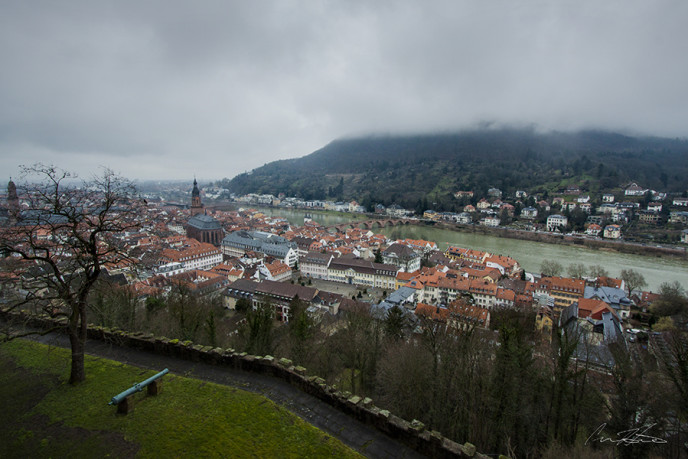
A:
x,y
529,254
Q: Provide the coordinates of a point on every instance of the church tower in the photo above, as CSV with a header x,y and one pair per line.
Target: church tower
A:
x,y
196,205
12,201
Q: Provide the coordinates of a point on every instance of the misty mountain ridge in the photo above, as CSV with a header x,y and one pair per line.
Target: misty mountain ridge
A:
x,y
406,169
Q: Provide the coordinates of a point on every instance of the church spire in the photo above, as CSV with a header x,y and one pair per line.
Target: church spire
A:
x,y
196,205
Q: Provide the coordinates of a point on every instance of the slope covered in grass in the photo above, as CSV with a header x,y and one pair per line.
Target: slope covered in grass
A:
x,y
46,417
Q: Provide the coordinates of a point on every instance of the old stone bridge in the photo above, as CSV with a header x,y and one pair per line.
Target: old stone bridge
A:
x,y
369,224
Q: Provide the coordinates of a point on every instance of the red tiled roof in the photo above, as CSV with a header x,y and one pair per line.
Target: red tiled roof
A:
x,y
432,312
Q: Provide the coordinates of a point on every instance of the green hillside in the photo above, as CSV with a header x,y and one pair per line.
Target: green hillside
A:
x,y
414,170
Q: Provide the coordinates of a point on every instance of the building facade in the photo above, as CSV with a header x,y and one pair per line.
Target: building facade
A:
x,y
205,228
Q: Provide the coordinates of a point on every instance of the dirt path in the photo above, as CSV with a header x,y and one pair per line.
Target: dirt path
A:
x,y
363,438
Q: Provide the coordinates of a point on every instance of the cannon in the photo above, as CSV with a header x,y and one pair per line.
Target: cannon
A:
x,y
121,399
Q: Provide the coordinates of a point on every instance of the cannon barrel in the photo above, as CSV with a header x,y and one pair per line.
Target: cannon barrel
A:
x,y
136,388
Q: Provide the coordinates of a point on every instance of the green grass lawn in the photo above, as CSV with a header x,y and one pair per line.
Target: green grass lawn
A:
x,y
44,416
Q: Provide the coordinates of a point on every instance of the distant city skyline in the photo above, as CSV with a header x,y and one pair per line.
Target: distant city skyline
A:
x,y
172,90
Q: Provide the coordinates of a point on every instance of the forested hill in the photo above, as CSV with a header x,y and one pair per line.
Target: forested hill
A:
x,y
414,170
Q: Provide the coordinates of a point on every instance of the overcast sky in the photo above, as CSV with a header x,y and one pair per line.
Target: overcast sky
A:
x,y
173,89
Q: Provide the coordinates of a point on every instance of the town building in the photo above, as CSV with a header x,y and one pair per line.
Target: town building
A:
x,y
404,298
466,316
594,335
401,256
200,282
278,294
200,256
236,244
314,264
205,228
563,290
614,297
356,271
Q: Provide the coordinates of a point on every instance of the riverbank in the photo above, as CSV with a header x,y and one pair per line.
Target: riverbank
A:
x,y
562,239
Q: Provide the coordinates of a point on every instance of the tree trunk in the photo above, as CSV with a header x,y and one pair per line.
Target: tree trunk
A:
x,y
77,340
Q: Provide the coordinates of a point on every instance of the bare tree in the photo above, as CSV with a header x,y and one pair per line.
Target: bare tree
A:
x,y
633,280
551,268
358,345
66,236
598,271
672,300
257,332
576,270
674,365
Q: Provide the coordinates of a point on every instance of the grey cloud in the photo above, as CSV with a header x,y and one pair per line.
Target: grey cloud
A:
x,y
170,88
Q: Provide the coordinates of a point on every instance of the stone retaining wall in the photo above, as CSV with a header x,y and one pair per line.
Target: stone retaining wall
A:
x,y
413,434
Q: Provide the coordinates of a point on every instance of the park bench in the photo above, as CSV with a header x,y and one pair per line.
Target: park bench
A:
x,y
122,400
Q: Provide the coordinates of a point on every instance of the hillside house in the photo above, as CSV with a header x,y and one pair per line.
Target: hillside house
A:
x,y
681,202
593,229
529,212
464,217
679,217
491,221
463,194
634,190
494,193
648,216
654,207
612,232
483,204
556,222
